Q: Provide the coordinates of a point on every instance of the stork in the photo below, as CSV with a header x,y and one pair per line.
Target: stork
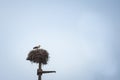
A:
x,y
36,47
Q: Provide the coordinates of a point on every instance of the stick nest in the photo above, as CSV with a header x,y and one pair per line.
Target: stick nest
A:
x,y
38,56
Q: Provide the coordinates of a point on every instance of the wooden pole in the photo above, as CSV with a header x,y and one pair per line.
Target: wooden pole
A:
x,y
39,75
40,72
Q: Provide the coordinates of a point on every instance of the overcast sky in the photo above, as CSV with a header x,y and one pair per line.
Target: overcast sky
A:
x,y
81,36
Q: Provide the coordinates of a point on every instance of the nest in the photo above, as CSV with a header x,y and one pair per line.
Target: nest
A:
x,y
38,56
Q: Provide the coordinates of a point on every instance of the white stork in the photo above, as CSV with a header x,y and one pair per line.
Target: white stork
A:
x,y
36,47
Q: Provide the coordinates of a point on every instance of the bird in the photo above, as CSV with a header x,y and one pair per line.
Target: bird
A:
x,y
36,47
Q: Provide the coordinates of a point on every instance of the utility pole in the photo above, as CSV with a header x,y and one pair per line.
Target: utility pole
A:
x,y
39,56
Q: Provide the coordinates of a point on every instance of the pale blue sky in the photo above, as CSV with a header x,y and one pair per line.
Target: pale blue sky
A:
x,y
82,37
